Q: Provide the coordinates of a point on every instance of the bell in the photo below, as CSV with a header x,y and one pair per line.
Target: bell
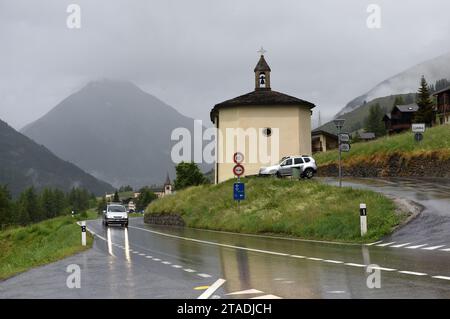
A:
x,y
262,81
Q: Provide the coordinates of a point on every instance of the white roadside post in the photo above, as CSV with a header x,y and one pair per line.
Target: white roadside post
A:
x,y
363,218
83,233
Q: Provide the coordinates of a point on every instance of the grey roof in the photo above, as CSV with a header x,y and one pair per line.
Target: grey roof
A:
x,y
442,91
322,132
262,65
261,97
388,115
367,136
408,108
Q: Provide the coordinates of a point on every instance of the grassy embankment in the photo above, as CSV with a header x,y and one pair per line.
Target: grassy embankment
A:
x,y
436,142
23,248
305,209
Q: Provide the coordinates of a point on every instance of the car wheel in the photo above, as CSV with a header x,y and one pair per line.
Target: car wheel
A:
x,y
309,173
278,175
125,225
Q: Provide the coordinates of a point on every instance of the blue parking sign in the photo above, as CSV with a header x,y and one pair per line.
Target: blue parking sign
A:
x,y
239,191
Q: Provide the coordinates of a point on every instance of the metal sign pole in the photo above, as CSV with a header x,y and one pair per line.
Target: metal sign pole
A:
x,y
340,167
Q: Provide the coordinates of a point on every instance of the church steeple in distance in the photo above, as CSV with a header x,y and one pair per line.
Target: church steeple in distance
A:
x,y
262,73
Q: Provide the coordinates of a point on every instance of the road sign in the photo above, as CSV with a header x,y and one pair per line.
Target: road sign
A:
x,y
238,170
418,137
344,147
238,157
344,137
239,191
418,128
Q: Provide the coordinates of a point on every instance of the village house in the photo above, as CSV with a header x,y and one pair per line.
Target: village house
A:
x,y
443,106
400,118
264,110
323,141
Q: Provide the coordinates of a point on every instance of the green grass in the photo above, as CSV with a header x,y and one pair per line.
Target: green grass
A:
x,y
436,141
23,248
305,209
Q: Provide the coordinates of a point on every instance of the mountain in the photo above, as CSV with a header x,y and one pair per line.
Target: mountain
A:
x,y
404,82
113,130
24,163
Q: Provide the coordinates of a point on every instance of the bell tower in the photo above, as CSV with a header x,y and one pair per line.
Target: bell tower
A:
x,y
262,73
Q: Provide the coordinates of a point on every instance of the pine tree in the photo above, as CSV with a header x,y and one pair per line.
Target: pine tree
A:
x,y
374,121
425,112
6,217
116,197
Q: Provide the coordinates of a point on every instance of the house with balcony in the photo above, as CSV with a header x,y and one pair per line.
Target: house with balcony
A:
x,y
400,118
443,106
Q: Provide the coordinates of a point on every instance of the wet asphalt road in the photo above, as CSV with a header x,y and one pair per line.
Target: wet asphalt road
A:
x,y
166,262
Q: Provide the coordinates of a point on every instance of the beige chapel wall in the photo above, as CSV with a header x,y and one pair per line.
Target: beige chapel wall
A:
x,y
289,119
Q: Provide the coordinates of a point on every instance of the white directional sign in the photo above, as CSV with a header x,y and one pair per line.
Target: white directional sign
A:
x,y
344,147
418,128
345,137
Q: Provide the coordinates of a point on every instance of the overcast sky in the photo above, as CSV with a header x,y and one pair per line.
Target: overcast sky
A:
x,y
193,54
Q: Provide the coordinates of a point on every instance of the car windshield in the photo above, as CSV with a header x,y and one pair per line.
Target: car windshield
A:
x,y
282,160
116,209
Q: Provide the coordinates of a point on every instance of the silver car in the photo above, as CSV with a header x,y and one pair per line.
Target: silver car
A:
x,y
306,163
115,214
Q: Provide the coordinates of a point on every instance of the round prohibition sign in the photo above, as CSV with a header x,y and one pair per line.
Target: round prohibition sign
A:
x,y
238,170
238,157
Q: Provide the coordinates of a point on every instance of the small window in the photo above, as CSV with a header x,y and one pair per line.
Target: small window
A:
x,y
267,131
298,161
288,162
307,159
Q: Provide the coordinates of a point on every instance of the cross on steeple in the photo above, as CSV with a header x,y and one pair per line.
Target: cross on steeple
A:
x,y
262,51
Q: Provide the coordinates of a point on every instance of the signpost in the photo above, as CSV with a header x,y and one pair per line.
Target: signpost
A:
x,y
363,218
339,123
83,233
238,170
344,147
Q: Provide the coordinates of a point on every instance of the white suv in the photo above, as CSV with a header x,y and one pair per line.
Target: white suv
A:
x,y
115,214
307,166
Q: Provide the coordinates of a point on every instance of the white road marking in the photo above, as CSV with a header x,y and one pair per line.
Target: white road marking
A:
x,y
204,275
377,242
386,244
333,261
336,292
166,262
148,257
156,259
267,297
189,270
446,249
279,279
297,256
434,247
245,292
314,258
382,268
442,277
401,245
415,247
177,266
141,254
413,273
355,265
288,282
208,292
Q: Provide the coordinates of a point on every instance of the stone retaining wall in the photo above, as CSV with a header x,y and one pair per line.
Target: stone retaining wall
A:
x,y
429,165
164,219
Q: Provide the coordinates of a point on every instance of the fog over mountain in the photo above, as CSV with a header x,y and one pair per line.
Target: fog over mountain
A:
x,y
405,82
113,130
23,163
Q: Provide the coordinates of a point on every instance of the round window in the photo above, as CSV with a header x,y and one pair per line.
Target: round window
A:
x,y
267,131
